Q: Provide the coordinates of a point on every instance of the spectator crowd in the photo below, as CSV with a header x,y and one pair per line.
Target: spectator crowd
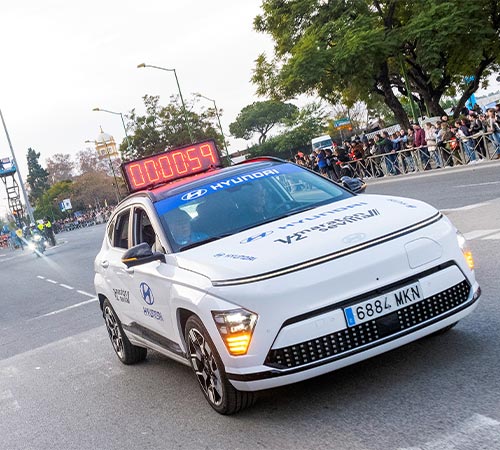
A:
x,y
443,143
82,220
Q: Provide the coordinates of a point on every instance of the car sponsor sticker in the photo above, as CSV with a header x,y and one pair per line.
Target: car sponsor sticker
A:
x,y
304,220
122,295
327,226
146,293
401,202
233,256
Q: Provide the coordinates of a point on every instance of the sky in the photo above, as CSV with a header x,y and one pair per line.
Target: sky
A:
x,y
60,59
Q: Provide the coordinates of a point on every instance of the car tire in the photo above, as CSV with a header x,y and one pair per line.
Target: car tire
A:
x,y
210,372
127,353
444,330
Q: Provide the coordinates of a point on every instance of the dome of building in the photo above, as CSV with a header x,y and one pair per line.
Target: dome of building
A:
x,y
104,137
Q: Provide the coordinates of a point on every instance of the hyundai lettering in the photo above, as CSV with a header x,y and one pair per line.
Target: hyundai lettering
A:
x,y
265,273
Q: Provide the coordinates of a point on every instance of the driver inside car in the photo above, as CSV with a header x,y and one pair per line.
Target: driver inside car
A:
x,y
179,224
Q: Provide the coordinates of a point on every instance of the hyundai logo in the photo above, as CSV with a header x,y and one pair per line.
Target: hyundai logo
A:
x,y
354,238
256,238
194,194
147,294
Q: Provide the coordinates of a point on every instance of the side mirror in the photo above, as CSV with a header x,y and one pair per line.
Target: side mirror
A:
x,y
141,254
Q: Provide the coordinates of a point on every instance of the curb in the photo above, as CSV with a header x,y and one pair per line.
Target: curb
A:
x,y
432,173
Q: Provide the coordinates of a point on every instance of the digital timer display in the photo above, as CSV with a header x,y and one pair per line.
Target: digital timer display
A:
x,y
171,165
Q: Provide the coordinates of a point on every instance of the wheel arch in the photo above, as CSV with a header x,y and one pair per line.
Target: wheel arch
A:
x,y
101,298
183,315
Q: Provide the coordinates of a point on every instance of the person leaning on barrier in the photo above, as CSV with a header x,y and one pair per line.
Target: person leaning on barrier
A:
x,y
493,127
430,140
476,129
444,137
419,142
464,135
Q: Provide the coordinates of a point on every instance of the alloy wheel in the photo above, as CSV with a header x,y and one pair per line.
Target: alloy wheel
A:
x,y
205,367
114,331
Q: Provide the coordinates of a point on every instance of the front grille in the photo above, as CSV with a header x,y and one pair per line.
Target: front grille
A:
x,y
340,342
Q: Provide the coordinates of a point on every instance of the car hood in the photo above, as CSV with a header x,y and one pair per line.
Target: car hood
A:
x,y
304,237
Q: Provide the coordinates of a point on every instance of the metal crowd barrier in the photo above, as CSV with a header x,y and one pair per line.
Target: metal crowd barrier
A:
x,y
418,159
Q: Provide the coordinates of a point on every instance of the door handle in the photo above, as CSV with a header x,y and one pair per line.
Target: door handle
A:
x,y
105,264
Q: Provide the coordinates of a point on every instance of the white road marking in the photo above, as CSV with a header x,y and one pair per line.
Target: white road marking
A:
x,y
478,432
478,184
41,278
493,236
66,286
76,305
475,234
8,259
86,293
466,208
51,281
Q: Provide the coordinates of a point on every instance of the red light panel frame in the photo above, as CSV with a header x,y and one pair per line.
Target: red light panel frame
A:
x,y
173,164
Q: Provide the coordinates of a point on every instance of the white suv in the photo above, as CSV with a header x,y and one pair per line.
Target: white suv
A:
x,y
265,273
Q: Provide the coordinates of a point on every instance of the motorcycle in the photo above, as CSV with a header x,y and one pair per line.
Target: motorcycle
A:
x,y
38,244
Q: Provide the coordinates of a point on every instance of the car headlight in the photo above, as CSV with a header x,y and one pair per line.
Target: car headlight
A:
x,y
236,328
464,246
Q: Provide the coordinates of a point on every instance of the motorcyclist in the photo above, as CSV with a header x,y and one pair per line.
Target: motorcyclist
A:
x,y
49,232
37,239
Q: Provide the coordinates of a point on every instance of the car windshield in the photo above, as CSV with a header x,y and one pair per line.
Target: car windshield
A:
x,y
252,197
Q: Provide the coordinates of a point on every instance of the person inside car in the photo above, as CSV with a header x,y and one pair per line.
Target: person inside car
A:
x,y
179,224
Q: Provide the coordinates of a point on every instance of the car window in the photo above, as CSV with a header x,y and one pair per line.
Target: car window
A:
x,y
111,228
120,235
237,203
143,229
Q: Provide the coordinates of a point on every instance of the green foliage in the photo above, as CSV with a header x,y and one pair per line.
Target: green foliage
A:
x,y
37,176
261,117
47,204
308,122
356,49
164,127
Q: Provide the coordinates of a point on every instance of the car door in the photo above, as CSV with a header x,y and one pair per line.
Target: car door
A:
x,y
114,271
150,284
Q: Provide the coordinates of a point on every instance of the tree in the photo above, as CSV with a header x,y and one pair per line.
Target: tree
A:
x,y
261,117
164,127
88,161
37,176
310,121
48,204
93,189
360,50
60,168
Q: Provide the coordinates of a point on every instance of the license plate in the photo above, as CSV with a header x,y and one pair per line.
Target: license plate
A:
x,y
385,304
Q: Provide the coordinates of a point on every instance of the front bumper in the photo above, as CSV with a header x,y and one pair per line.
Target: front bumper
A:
x,y
312,355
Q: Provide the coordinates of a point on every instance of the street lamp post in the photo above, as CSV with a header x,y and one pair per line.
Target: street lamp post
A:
x,y
25,195
123,123
180,95
117,189
218,119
